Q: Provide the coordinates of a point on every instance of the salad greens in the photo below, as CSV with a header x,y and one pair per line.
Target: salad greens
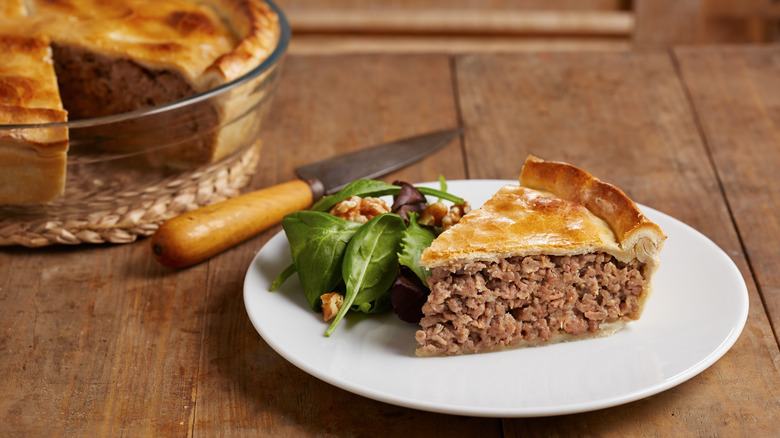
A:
x,y
362,262
318,241
370,262
369,187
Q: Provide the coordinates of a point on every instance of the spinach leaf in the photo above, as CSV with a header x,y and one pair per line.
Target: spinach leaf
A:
x,y
370,262
317,244
413,242
287,273
361,187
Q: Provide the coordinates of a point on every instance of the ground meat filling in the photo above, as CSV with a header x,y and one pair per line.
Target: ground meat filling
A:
x,y
92,85
482,306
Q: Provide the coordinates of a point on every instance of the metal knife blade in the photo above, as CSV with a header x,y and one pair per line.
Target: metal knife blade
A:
x,y
335,173
197,235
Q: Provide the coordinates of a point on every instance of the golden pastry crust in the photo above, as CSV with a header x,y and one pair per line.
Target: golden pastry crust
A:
x,y
207,42
12,9
638,236
557,210
27,77
518,221
258,26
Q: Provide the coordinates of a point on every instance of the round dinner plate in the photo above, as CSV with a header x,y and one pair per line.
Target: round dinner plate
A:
x,y
696,313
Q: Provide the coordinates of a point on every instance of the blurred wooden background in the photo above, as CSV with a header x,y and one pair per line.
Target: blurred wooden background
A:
x,y
338,26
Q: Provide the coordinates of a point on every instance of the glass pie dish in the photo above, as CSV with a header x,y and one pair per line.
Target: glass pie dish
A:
x,y
127,173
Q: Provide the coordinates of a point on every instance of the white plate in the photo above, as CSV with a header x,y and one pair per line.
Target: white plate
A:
x,y
697,311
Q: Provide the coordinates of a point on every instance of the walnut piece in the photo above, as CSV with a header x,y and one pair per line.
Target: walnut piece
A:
x,y
360,210
453,216
438,215
331,303
433,214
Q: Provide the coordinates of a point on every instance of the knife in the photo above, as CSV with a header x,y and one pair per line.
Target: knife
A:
x,y
200,234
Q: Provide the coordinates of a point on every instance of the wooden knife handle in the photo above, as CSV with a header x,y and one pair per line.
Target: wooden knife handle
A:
x,y
195,236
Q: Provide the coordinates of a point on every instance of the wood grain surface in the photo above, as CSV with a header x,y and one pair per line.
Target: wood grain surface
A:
x,y
104,341
737,99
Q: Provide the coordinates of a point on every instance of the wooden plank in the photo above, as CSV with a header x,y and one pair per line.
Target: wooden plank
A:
x,y
761,9
665,23
415,5
625,117
324,106
736,93
458,22
746,21
97,341
340,44
668,23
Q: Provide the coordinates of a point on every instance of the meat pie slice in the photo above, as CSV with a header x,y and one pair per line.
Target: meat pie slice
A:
x,y
561,257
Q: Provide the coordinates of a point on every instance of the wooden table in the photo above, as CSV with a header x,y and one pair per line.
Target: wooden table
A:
x,y
102,340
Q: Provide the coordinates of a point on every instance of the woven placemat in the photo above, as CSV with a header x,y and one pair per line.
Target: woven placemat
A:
x,y
122,215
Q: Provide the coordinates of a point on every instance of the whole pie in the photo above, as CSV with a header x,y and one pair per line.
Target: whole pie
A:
x,y
562,256
76,59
